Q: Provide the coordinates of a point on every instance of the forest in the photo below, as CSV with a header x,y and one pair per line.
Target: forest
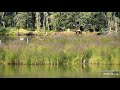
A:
x,y
60,44
57,42
105,22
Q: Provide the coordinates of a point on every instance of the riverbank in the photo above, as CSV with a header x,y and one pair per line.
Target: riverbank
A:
x,y
24,32
63,49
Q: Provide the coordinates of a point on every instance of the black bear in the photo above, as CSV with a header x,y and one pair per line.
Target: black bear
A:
x,y
81,28
78,31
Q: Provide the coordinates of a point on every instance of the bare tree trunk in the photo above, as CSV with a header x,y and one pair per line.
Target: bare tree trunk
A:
x,y
115,25
44,25
109,20
45,21
38,20
109,26
3,22
14,24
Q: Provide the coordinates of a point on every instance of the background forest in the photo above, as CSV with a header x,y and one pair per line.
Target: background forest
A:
x,y
55,21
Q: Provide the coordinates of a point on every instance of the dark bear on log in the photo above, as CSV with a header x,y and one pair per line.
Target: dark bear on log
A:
x,y
29,34
81,28
79,31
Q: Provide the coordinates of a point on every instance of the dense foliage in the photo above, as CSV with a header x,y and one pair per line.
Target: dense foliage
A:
x,y
48,21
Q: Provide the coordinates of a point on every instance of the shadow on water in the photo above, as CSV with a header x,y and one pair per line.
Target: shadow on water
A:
x,y
14,68
86,68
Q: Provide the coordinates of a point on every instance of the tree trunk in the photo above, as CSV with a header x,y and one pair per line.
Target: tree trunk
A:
x,y
44,26
109,26
38,21
33,19
14,23
45,22
3,22
115,25
109,20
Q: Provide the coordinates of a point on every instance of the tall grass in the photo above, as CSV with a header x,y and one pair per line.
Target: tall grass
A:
x,y
63,49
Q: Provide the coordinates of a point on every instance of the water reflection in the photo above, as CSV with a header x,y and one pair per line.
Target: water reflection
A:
x,y
85,67
26,39
0,42
64,71
7,39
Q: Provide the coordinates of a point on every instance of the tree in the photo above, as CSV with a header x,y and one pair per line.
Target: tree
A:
x,y
38,20
95,21
45,21
109,19
116,20
21,20
2,18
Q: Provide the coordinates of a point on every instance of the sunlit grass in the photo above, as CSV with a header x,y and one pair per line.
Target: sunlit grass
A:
x,y
63,49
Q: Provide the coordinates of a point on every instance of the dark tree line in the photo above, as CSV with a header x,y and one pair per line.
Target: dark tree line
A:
x,y
56,21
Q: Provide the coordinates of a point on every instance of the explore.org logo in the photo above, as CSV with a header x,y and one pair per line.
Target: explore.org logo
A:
x,y
109,72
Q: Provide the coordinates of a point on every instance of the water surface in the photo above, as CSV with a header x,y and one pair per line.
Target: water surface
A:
x,y
64,71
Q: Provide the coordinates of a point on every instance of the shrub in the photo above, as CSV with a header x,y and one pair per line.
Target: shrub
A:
x,y
3,30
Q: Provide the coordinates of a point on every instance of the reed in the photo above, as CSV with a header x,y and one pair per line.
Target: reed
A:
x,y
63,49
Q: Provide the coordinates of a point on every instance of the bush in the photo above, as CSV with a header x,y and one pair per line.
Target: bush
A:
x,y
2,29
2,55
31,29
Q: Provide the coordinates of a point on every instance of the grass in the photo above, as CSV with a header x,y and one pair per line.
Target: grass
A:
x,y
63,49
14,31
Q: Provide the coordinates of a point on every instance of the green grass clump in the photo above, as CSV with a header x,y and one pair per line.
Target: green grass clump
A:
x,y
61,49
